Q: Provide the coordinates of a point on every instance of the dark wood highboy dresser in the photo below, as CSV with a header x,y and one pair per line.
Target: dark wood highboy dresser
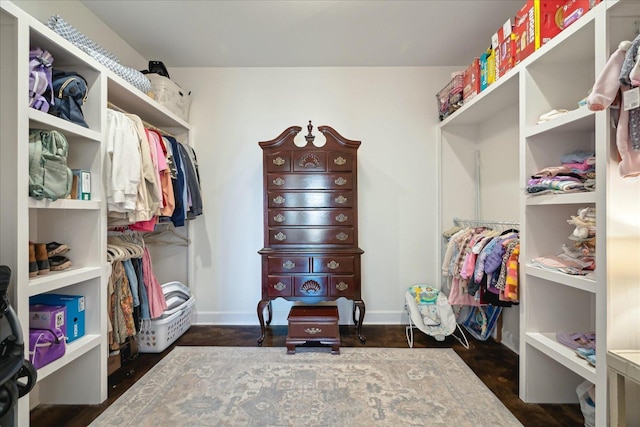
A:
x,y
311,251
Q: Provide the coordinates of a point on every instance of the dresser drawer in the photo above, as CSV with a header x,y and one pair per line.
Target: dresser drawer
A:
x,y
340,161
293,264
313,329
342,286
309,161
310,286
333,264
280,217
311,236
310,200
309,181
279,286
278,162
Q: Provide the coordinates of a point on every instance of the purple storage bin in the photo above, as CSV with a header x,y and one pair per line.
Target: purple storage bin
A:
x,y
45,346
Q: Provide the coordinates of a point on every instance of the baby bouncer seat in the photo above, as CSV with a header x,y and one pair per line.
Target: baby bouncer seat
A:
x,y
430,312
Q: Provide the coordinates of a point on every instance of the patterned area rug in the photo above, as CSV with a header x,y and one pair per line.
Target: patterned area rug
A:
x,y
254,386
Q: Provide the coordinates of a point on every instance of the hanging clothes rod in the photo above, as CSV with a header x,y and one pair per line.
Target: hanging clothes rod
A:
x,y
147,125
485,223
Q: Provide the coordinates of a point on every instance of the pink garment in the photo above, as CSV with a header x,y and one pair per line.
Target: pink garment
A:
x,y
604,92
458,297
157,301
579,166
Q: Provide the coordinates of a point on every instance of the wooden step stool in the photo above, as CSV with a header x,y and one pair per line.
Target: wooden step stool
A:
x,y
313,323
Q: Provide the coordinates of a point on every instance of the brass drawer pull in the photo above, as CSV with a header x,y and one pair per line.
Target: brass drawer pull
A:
x,y
288,264
280,236
341,199
313,331
340,181
342,236
278,181
278,161
333,264
341,218
278,200
278,218
279,286
342,286
339,161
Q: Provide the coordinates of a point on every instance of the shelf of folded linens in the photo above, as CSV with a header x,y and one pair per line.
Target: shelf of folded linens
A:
x,y
547,344
579,120
581,197
586,283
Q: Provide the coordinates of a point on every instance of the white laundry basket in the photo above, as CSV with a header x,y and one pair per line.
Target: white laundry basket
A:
x,y
158,334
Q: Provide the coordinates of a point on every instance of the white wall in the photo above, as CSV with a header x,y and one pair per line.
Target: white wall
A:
x,y
391,110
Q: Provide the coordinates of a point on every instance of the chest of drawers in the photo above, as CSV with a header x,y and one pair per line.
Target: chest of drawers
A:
x,y
310,251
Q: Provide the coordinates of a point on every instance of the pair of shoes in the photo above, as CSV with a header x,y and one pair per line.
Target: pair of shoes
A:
x,y
55,248
575,340
588,354
38,259
59,263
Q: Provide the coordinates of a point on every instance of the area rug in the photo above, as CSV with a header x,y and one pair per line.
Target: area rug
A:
x,y
264,386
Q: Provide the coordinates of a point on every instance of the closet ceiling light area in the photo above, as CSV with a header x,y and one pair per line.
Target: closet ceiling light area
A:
x,y
302,33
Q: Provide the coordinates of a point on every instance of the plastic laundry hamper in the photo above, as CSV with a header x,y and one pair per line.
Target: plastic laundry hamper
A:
x,y
158,334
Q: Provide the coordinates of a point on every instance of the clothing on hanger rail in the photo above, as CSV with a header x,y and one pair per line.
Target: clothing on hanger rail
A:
x,y
146,124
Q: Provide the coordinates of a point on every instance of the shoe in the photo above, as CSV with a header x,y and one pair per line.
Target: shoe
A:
x,y
587,354
33,265
41,258
59,263
577,339
55,248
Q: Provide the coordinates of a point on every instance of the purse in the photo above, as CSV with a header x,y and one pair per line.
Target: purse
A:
x,y
70,94
45,346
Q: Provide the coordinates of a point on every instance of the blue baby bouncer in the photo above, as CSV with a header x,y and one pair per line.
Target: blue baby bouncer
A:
x,y
17,375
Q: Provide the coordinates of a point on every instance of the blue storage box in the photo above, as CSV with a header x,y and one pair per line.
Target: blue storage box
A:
x,y
75,312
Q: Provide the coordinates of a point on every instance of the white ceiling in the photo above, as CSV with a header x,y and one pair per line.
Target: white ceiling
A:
x,y
306,33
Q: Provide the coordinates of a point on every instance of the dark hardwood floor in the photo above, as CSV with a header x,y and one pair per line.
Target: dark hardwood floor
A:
x,y
496,365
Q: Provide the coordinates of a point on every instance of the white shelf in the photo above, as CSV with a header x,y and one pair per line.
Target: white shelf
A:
x,y
125,96
547,344
73,351
579,198
578,120
55,280
585,283
41,120
91,205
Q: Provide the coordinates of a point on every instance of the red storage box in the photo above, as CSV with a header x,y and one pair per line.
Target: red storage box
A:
x,y
503,44
535,24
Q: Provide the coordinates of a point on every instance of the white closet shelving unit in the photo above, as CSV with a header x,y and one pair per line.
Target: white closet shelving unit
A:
x,y
80,376
607,301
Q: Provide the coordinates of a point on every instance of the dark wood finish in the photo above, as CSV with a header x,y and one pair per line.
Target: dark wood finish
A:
x,y
313,323
495,365
310,251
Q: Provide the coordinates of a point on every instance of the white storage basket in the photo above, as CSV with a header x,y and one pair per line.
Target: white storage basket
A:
x,y
158,334
169,94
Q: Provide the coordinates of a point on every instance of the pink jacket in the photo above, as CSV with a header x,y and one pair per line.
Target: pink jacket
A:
x,y
603,94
